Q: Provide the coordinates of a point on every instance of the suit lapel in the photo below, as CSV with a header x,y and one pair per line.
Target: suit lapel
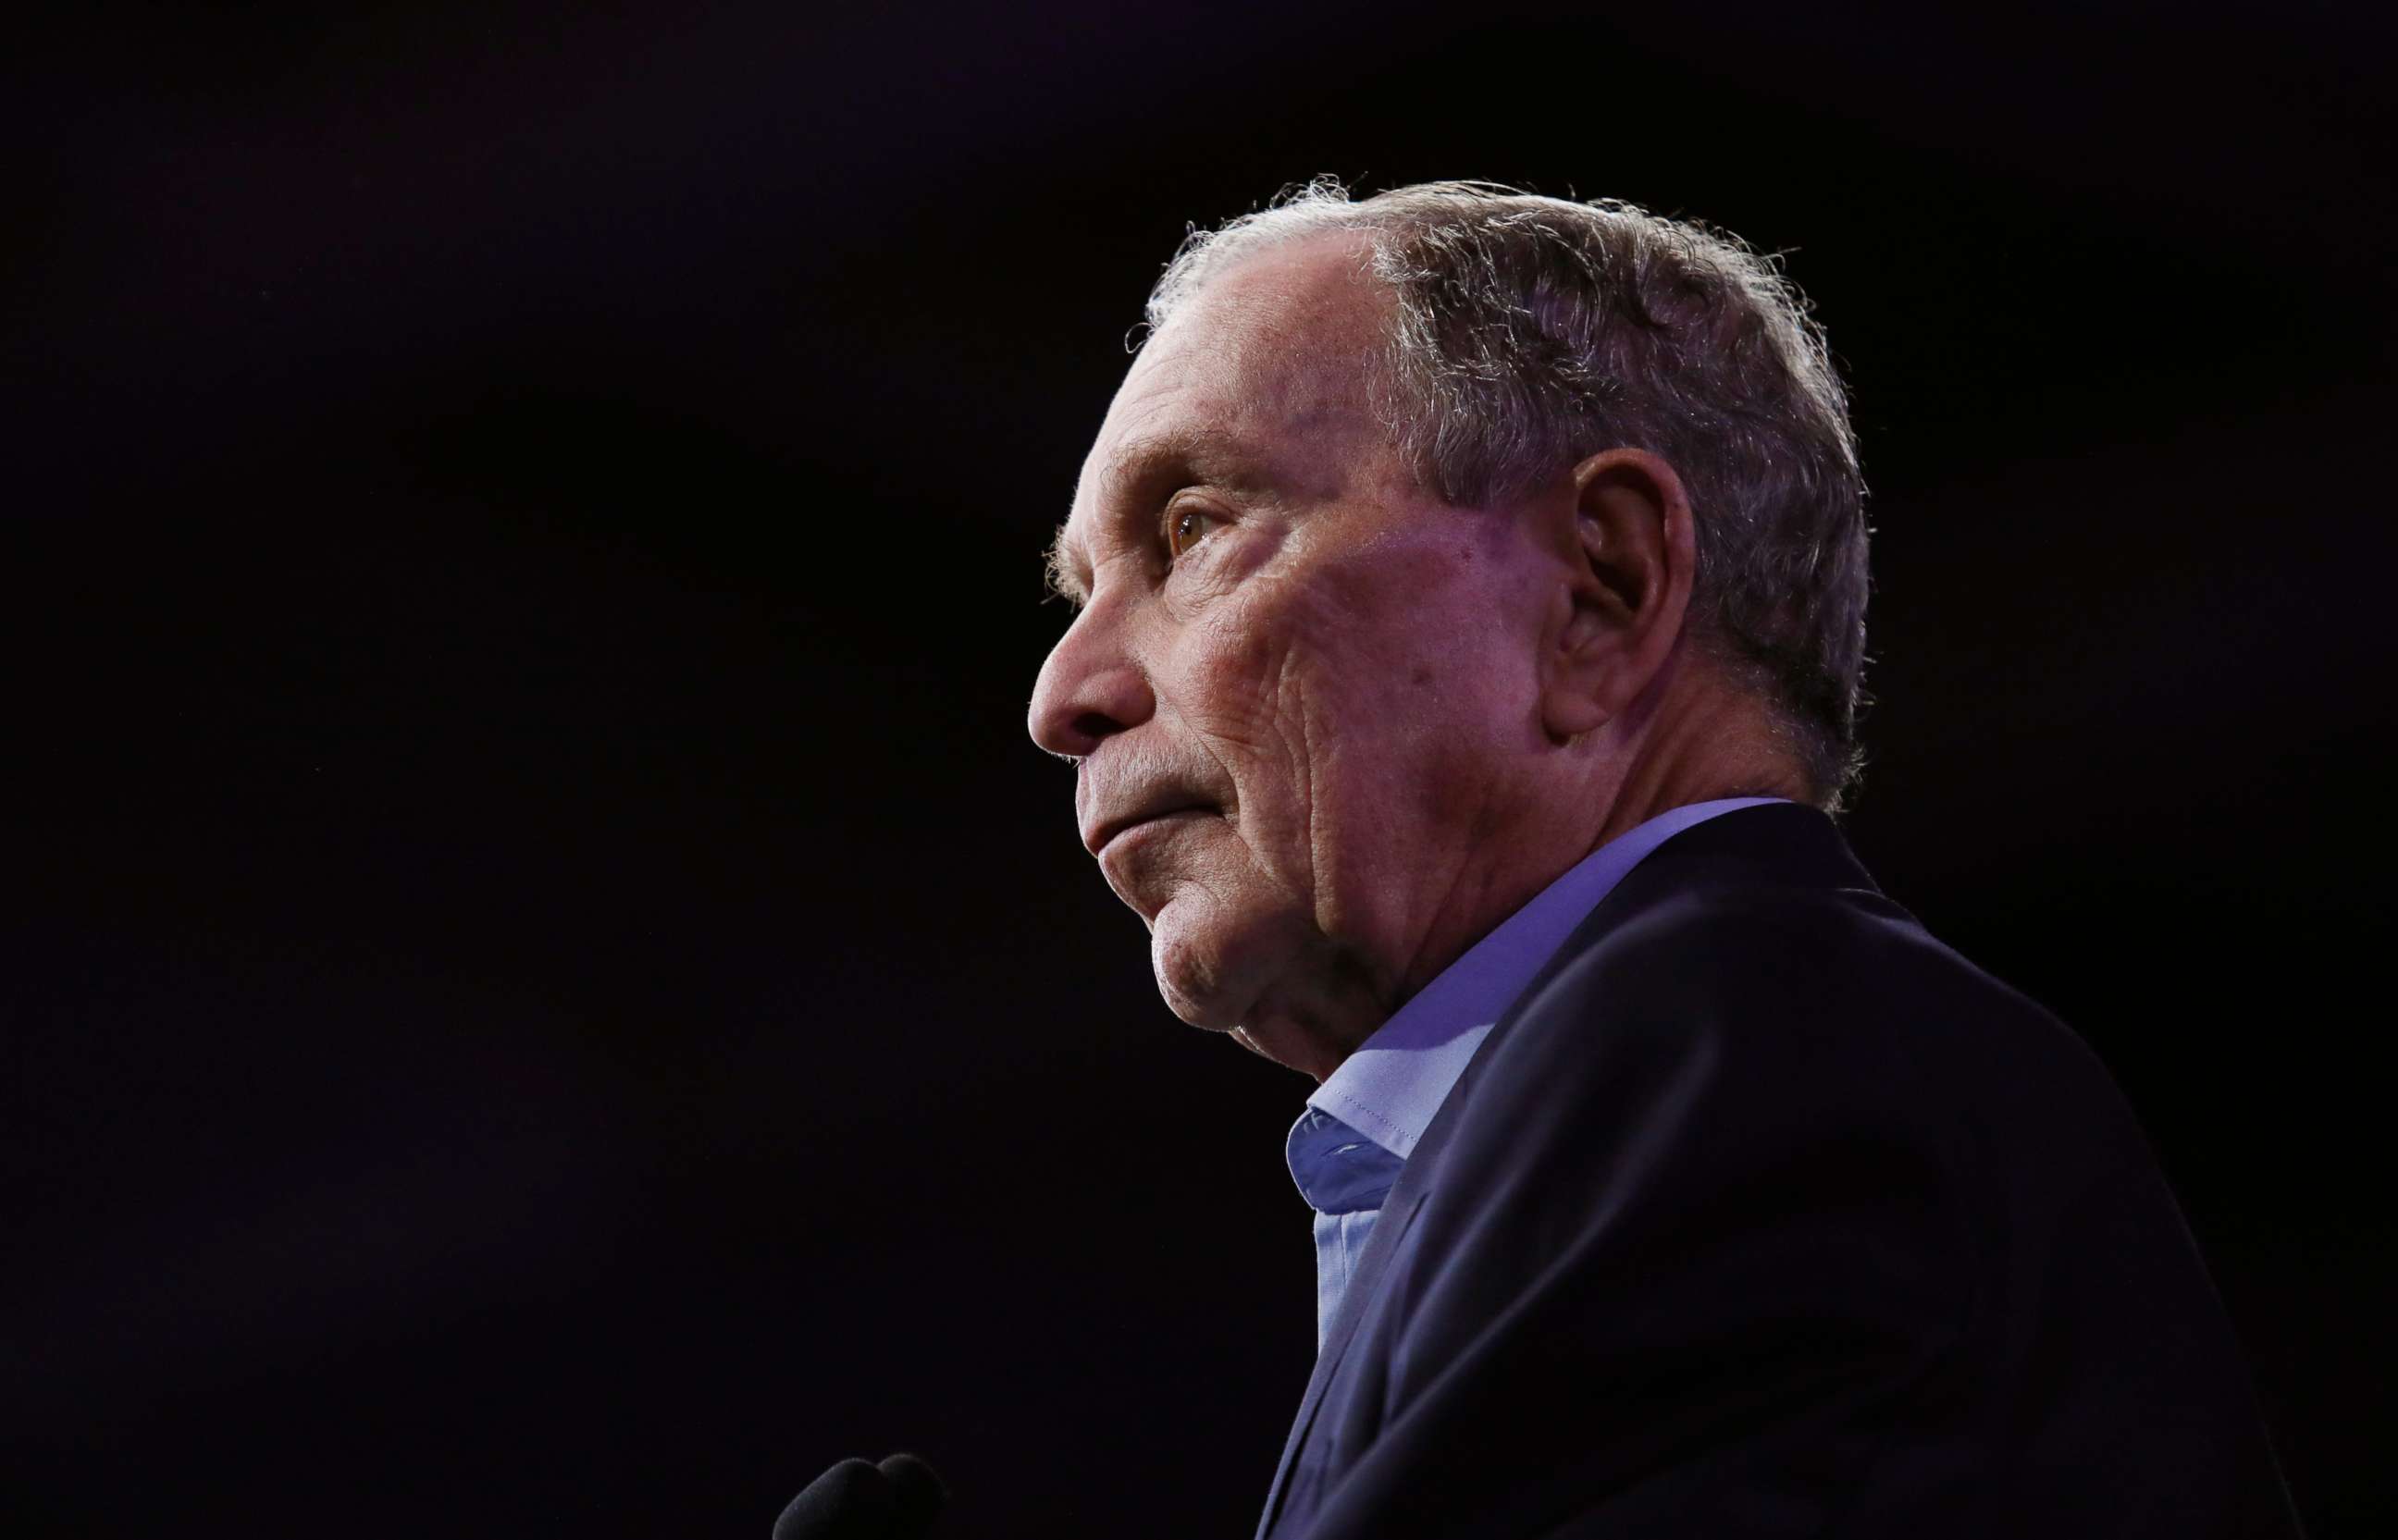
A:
x,y
1398,1214
1399,1210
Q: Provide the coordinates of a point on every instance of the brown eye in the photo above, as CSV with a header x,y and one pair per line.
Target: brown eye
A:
x,y
1186,528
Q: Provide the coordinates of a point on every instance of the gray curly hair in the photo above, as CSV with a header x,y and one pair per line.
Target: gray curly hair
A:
x,y
1532,332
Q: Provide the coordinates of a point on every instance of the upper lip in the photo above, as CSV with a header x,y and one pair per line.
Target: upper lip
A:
x,y
1096,832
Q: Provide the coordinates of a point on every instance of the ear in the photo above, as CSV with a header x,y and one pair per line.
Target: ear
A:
x,y
1632,556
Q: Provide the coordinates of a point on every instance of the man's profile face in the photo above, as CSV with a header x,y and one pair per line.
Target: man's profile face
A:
x,y
1299,684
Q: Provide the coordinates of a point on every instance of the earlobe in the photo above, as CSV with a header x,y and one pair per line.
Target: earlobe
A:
x,y
1568,714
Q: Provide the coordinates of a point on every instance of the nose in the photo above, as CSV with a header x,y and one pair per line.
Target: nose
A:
x,y
1090,689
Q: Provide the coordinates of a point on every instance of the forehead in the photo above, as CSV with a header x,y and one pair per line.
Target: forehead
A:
x,y
1260,377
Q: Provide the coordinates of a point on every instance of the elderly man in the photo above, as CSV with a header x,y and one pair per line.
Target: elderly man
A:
x,y
1471,594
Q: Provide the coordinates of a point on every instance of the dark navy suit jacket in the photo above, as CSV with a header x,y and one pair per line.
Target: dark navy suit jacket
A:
x,y
1763,1214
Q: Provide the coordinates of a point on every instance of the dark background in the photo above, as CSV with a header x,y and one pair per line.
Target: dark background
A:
x,y
545,990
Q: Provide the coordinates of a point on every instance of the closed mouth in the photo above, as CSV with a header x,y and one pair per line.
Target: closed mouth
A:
x,y
1107,833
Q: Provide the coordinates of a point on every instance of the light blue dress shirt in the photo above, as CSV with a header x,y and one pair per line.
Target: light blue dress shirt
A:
x,y
1363,1122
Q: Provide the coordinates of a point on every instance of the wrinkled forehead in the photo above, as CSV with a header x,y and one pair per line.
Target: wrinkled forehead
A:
x,y
1271,362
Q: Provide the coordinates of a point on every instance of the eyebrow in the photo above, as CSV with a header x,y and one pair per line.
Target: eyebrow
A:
x,y
1064,572
1183,456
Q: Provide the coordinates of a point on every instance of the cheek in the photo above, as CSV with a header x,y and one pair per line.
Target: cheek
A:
x,y
1246,685
1255,698
1421,645
1355,708
1434,694
1361,684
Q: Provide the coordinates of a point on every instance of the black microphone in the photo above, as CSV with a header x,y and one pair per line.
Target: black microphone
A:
x,y
897,1500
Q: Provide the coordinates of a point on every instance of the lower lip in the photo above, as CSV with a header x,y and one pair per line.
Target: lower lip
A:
x,y
1162,821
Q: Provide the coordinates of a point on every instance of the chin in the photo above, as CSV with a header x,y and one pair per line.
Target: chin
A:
x,y
1211,972
1191,986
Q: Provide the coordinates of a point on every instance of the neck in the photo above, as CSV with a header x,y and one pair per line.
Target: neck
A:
x,y
1691,737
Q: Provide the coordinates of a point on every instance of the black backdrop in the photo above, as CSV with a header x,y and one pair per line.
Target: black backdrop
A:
x,y
546,991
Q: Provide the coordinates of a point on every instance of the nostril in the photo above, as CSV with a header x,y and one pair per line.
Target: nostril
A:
x,y
1092,727
1078,705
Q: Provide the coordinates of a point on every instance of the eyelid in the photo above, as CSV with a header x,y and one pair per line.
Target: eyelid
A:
x,y
1174,513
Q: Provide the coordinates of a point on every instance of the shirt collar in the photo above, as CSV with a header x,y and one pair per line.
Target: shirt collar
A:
x,y
1389,1088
